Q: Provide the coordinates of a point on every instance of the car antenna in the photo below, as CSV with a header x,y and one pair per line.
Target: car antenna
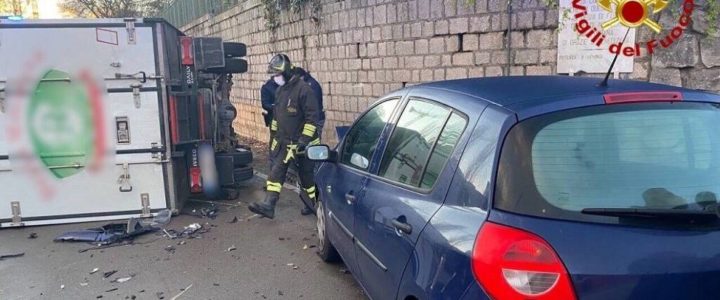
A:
x,y
604,83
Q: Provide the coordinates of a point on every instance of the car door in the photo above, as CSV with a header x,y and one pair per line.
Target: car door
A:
x,y
400,200
346,180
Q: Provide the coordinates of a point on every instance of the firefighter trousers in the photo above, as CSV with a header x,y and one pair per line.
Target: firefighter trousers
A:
x,y
281,156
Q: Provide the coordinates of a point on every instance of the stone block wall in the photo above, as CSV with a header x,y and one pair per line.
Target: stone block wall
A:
x,y
361,49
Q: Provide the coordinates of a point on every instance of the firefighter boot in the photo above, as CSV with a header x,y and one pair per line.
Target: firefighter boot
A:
x,y
266,207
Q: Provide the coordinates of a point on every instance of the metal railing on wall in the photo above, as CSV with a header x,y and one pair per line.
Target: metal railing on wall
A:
x,y
182,12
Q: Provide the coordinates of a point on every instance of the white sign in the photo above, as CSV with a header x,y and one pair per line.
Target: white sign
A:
x,y
589,51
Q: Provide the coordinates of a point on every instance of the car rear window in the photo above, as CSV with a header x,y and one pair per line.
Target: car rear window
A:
x,y
654,156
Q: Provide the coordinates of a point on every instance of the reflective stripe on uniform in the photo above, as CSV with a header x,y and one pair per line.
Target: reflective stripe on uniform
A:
x,y
273,125
315,141
309,130
274,186
273,145
311,192
291,149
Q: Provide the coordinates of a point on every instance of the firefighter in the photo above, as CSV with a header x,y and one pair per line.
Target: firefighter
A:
x,y
294,126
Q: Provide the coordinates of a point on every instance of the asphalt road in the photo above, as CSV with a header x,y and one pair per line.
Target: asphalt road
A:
x,y
269,261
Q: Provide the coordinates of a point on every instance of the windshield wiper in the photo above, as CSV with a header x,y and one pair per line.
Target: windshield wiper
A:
x,y
654,213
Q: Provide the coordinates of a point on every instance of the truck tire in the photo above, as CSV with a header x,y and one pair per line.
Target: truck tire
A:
x,y
232,66
242,158
243,174
234,49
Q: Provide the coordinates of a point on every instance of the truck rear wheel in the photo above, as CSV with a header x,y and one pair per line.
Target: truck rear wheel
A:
x,y
232,66
234,49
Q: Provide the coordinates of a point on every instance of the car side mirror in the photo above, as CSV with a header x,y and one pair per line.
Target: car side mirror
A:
x,y
320,153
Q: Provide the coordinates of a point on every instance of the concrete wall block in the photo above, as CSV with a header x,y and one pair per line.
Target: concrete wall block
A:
x,y
456,73
480,23
405,48
432,61
470,42
540,38
482,58
421,46
538,70
525,57
548,55
463,59
459,25
442,27
452,43
493,40
437,45
669,76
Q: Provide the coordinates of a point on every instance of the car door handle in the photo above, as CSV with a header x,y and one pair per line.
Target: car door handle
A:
x,y
402,226
350,198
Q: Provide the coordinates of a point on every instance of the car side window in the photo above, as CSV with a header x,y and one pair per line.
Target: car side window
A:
x,y
409,148
362,139
443,149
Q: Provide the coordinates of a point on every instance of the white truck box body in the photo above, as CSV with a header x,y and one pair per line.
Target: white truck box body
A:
x,y
132,178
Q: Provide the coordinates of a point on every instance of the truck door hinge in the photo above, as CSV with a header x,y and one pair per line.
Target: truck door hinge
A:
x,y
136,94
156,154
130,27
145,202
124,179
16,214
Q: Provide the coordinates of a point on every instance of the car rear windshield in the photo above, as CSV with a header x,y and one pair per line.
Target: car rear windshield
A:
x,y
644,156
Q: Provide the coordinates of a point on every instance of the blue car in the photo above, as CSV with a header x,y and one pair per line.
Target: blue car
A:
x,y
527,188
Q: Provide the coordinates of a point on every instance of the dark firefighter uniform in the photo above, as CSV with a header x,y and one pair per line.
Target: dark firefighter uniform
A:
x,y
296,115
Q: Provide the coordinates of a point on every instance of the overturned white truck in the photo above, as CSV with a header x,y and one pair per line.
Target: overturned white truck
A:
x,y
113,118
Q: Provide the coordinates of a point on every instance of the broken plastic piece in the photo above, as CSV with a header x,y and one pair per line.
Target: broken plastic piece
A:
x,y
161,218
231,248
94,270
181,293
124,279
109,273
108,234
11,255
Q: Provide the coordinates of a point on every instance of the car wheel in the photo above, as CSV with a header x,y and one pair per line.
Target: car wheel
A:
x,y
326,251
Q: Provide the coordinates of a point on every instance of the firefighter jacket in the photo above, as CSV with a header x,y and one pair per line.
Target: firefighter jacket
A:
x,y
296,113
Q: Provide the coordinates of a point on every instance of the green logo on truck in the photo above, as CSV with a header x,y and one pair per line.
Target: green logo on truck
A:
x,y
60,124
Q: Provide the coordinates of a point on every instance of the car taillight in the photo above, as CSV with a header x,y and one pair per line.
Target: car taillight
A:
x,y
510,263
195,180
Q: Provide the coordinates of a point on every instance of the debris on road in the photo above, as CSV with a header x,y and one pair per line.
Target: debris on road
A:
x,y
83,284
62,287
107,234
122,280
94,270
211,212
33,235
192,228
170,249
181,243
109,273
232,248
160,295
181,293
293,266
234,220
6,256
111,290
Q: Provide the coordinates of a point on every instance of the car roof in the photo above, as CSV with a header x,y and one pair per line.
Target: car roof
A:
x,y
526,93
